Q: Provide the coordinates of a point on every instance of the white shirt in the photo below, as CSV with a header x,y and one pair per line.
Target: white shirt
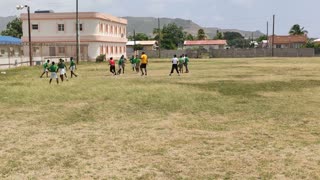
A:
x,y
175,61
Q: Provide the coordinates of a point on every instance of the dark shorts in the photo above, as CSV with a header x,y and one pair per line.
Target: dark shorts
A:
x,y
143,66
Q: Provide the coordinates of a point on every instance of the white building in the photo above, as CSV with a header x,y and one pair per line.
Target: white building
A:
x,y
54,35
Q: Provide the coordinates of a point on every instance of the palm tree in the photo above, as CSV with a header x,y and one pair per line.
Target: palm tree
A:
x,y
297,30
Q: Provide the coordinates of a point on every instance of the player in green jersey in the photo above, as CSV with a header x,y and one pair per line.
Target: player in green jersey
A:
x,y
72,67
53,70
62,68
45,68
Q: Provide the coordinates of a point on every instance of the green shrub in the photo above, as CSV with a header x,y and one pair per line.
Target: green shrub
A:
x,y
100,58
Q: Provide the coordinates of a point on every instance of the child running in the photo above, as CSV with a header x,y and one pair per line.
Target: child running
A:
x,y
174,65
62,68
72,67
120,64
137,60
133,63
186,62
53,70
45,68
112,64
181,63
144,63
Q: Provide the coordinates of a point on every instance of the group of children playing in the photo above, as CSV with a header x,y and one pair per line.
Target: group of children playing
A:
x,y
60,67
137,64
181,62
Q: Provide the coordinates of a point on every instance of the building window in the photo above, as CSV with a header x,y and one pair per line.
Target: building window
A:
x,y
82,49
3,51
101,27
60,27
35,27
80,27
61,50
106,28
111,29
36,50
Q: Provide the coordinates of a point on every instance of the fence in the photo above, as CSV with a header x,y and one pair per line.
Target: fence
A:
x,y
237,53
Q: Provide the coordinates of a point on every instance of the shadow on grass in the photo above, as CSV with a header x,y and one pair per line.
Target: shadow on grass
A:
x,y
235,88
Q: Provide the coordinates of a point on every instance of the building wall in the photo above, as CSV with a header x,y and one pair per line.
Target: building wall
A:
x,y
99,32
207,47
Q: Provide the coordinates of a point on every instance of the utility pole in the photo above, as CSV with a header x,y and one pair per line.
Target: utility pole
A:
x,y
29,33
274,17
134,42
77,34
159,41
267,34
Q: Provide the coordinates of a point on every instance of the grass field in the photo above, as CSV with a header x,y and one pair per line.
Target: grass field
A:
x,y
227,119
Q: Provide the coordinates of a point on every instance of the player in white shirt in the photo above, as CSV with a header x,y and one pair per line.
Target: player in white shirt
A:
x,y
175,61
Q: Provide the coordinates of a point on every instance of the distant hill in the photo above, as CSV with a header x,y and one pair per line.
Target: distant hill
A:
x,y
4,21
147,24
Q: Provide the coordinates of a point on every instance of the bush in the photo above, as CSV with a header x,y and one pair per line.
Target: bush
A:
x,y
100,58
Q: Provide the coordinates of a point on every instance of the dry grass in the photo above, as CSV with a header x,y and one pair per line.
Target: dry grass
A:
x,y
227,119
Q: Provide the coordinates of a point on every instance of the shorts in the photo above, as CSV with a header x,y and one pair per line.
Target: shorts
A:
x,y
45,70
54,75
143,66
72,68
133,65
62,71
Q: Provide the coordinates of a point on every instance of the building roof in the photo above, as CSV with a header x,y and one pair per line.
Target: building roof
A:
x,y
10,40
71,15
289,39
205,42
317,40
144,43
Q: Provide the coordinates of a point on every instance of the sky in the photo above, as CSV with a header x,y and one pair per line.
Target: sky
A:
x,y
228,14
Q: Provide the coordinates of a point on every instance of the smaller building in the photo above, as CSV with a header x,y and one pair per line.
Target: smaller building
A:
x,y
290,41
145,46
10,52
317,41
207,44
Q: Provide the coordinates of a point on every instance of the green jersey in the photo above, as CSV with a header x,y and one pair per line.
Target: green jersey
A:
x,y
53,68
120,62
61,65
72,63
137,60
45,65
181,60
132,61
186,60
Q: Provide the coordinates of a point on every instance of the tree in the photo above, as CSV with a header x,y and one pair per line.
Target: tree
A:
x,y
232,35
236,40
219,35
172,36
201,35
297,30
261,38
14,28
189,37
139,37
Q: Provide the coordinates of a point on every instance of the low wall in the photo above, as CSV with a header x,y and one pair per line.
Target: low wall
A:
x,y
235,53
248,53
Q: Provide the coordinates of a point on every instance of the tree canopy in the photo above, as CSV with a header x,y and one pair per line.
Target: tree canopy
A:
x,y
14,29
201,35
139,37
172,36
297,30
218,36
